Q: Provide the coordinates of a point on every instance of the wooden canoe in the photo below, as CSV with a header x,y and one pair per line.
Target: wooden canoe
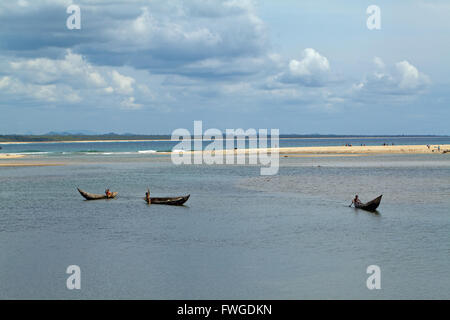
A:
x,y
93,196
172,201
369,206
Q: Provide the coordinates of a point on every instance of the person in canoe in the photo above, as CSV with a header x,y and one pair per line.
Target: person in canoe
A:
x,y
147,196
355,201
108,193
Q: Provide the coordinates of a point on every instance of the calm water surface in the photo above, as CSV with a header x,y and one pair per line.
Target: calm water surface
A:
x,y
240,236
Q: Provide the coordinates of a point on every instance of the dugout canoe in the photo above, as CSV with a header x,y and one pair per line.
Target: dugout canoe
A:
x,y
94,196
369,206
172,201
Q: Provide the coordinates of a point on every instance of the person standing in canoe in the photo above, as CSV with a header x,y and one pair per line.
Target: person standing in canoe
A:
x,y
108,193
147,196
355,201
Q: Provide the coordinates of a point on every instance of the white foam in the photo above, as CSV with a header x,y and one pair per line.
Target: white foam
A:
x,y
147,151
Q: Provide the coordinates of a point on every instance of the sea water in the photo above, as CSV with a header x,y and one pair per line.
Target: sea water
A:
x,y
240,235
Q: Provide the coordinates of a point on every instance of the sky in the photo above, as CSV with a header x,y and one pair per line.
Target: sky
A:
x,y
150,67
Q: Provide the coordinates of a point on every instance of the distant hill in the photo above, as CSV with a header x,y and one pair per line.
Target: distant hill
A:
x,y
72,133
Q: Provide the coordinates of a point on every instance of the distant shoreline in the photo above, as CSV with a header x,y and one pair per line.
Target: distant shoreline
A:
x,y
10,156
307,151
337,150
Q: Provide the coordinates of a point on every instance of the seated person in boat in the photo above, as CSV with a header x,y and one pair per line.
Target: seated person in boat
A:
x,y
108,193
356,200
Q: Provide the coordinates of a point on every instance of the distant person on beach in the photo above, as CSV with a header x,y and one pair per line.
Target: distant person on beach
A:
x,y
439,148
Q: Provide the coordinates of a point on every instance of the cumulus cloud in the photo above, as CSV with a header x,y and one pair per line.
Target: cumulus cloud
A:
x,y
196,42
155,35
129,103
96,79
313,69
172,55
68,79
73,67
311,63
409,77
147,32
123,84
401,79
164,41
16,89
